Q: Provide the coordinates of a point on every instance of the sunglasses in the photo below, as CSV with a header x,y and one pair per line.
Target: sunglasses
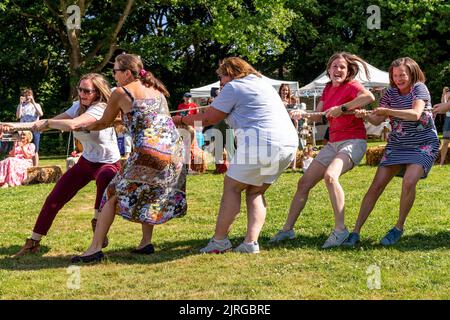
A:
x,y
86,91
116,70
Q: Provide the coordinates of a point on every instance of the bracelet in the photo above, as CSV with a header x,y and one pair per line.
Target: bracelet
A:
x,y
46,125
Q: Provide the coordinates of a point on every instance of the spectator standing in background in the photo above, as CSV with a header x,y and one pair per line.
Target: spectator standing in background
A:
x,y
187,105
29,111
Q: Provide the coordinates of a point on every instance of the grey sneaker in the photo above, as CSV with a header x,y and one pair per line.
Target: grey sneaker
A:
x,y
217,246
283,235
252,247
391,237
336,238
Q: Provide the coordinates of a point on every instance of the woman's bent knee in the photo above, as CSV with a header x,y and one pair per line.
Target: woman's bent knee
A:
x,y
330,178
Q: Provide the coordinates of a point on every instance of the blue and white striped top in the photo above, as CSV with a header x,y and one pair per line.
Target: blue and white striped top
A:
x,y
410,142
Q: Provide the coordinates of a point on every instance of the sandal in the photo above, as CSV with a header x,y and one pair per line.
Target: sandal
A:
x,y
30,246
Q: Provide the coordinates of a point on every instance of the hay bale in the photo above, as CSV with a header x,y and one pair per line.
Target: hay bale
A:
x,y
199,162
46,174
298,160
374,155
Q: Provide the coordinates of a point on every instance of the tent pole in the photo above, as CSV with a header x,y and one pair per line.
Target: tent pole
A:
x,y
314,123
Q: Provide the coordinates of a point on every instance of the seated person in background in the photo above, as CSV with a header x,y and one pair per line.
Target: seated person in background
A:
x,y
187,105
6,145
13,170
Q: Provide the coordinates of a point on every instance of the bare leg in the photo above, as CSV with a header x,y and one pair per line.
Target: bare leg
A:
x,y
341,164
444,151
312,176
382,177
412,175
256,211
104,221
147,233
230,206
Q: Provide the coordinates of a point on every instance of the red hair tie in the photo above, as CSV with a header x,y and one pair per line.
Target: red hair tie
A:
x,y
143,73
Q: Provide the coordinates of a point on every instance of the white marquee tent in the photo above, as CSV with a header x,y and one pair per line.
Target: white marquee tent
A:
x,y
205,91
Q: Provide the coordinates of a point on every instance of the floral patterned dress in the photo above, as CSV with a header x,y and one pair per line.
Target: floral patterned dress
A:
x,y
151,186
13,170
410,142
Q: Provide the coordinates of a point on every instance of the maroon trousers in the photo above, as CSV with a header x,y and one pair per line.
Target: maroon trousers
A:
x,y
69,184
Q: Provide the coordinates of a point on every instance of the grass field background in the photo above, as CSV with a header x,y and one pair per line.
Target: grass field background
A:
x,y
418,267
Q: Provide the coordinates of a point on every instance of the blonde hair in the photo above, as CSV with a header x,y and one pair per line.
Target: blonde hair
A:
x,y
134,63
414,71
28,134
236,68
101,86
352,65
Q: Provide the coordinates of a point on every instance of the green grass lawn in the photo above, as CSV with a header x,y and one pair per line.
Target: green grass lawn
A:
x,y
418,267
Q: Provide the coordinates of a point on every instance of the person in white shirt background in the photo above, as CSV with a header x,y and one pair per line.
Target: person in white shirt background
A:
x,y
29,111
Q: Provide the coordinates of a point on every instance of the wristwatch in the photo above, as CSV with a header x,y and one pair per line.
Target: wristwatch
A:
x,y
344,108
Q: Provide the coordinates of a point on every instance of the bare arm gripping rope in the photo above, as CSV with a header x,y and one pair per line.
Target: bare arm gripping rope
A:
x,y
323,113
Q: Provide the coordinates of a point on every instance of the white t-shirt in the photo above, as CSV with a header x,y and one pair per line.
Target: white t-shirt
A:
x,y
29,112
257,113
98,146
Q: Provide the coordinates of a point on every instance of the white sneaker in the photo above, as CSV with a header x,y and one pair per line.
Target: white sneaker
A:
x,y
252,247
283,235
217,246
336,238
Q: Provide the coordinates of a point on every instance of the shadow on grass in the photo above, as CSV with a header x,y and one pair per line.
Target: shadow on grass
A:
x,y
170,251
414,242
167,251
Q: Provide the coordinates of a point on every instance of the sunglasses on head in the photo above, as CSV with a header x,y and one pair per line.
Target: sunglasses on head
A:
x,y
116,70
86,91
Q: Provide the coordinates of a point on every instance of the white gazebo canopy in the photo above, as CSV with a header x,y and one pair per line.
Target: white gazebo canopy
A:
x,y
377,78
205,91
